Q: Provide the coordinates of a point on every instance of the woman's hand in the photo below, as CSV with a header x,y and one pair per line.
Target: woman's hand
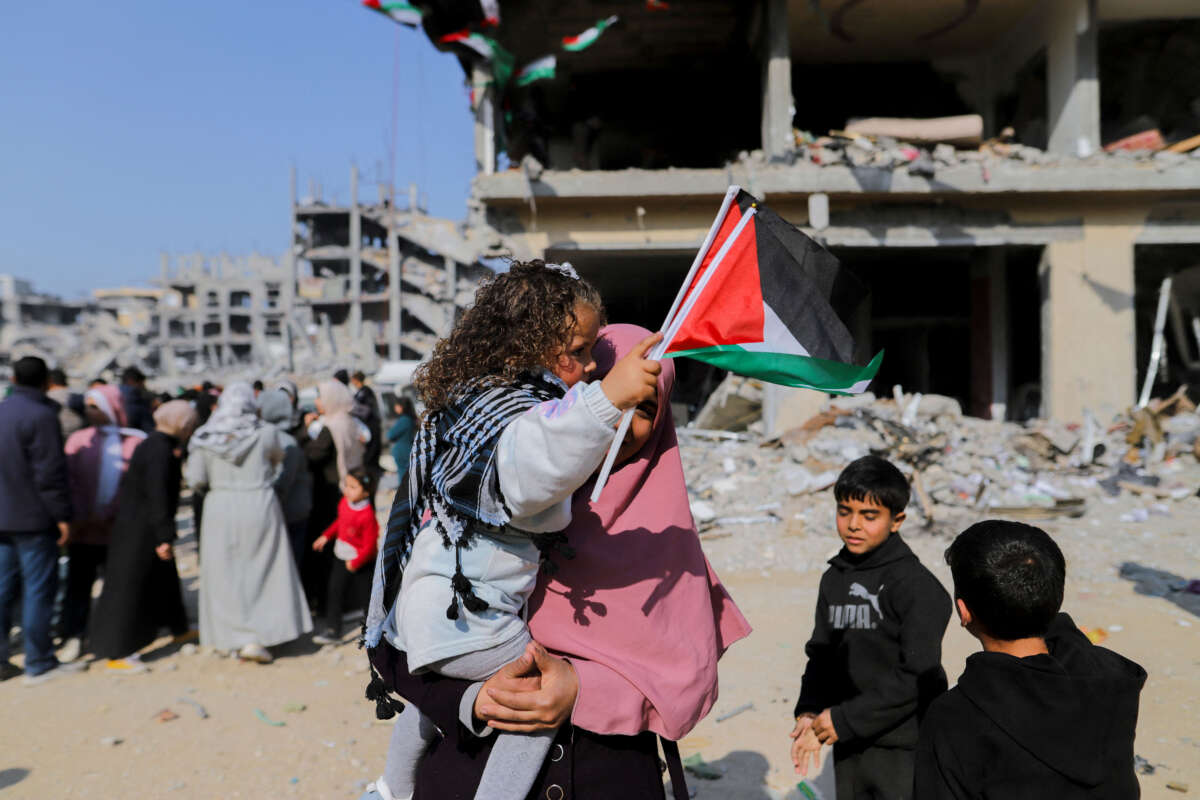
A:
x,y
310,418
536,692
319,544
165,551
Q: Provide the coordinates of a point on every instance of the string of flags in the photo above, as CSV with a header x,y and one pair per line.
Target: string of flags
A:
x,y
588,38
404,13
490,50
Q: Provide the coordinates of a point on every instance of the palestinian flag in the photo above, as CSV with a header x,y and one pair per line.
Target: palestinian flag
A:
x,y
491,12
403,13
541,69
759,305
483,45
588,37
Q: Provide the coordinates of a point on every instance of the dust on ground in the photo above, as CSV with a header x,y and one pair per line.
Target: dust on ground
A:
x,y
95,735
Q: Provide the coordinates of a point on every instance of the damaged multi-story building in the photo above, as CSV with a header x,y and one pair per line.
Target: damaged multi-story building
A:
x,y
1014,266
360,282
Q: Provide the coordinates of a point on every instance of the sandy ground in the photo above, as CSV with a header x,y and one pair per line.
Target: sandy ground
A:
x,y
56,739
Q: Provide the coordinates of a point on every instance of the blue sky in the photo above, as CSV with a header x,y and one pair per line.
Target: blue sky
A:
x,y
131,127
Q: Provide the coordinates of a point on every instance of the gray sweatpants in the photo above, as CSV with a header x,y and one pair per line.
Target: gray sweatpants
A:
x,y
516,758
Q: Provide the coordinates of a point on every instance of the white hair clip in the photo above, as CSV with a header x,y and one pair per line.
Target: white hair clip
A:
x,y
566,269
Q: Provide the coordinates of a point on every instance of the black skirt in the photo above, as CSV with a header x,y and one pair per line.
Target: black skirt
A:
x,y
580,766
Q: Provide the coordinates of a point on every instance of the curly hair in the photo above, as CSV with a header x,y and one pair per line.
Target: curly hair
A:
x,y
518,319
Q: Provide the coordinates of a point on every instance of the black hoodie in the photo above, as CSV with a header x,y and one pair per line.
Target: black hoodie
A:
x,y
1057,726
875,656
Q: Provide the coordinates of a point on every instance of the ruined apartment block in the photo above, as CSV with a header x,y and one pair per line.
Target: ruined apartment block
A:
x,y
377,279
1016,269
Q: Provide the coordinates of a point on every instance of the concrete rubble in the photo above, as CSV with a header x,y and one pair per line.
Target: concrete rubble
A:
x,y
1137,467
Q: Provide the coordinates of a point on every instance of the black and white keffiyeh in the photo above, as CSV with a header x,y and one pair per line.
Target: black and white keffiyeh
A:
x,y
452,476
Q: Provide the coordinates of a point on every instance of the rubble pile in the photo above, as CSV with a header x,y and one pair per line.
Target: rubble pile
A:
x,y
1129,470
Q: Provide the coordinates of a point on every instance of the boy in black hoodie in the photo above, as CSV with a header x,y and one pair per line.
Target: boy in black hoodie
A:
x,y
875,656
1041,712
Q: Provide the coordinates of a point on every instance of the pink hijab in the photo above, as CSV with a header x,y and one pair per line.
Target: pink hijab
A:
x,y
639,610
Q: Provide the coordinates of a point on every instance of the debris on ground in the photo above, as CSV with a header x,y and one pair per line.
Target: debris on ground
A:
x,y
200,710
739,710
166,715
696,765
960,467
258,712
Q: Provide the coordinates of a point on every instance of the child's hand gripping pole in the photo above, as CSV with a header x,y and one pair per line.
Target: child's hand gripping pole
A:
x,y
631,381
675,322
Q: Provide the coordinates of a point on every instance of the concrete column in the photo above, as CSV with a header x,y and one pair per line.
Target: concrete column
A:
x,y
451,294
355,295
1088,325
485,124
777,140
998,317
989,335
292,275
394,296
1073,78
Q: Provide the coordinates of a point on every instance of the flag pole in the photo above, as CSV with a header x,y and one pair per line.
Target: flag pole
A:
x,y
730,194
668,337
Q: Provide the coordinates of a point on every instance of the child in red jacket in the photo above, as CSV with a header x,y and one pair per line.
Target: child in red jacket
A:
x,y
355,535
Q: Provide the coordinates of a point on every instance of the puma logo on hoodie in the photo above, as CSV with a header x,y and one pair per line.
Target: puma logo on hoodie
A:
x,y
857,615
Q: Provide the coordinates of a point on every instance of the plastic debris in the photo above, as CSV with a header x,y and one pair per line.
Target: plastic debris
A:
x,y
806,791
1094,635
696,765
1177,786
294,708
111,741
200,710
166,715
739,710
259,713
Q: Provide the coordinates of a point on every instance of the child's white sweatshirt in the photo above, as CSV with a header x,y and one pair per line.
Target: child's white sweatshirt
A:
x,y
542,457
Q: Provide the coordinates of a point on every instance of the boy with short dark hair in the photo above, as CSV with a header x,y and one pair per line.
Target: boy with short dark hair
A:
x,y
874,659
1041,712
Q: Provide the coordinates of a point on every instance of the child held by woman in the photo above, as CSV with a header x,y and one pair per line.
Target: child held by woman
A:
x,y
512,427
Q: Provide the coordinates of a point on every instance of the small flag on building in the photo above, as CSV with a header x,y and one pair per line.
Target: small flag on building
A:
x,y
403,13
759,305
588,37
538,70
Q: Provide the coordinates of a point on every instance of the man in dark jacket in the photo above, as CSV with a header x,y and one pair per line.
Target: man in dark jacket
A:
x,y
366,409
136,400
35,506
1041,712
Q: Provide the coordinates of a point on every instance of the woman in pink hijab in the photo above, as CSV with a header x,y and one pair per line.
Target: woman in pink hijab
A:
x,y
638,616
97,457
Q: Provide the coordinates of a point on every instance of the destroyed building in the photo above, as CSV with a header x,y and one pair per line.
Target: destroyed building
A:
x,y
361,283
32,321
1013,266
381,279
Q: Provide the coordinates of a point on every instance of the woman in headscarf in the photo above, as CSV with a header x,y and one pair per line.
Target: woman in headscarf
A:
x,y
640,615
336,446
294,484
141,592
97,457
295,426
250,595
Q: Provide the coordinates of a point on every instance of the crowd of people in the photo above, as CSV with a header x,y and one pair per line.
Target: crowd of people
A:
x,y
545,642
283,504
